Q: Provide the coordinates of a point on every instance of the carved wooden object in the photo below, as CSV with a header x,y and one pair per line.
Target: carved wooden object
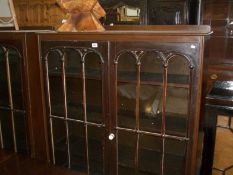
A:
x,y
83,15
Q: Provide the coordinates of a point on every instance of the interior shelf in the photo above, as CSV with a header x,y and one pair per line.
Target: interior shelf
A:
x,y
129,77
175,123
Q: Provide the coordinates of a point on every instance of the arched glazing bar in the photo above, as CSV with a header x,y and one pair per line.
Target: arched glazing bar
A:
x,y
62,56
165,57
14,106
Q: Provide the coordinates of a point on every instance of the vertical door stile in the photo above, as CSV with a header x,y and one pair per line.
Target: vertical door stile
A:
x,y
188,124
189,102
116,116
85,112
137,116
1,137
65,105
163,127
104,111
10,98
49,106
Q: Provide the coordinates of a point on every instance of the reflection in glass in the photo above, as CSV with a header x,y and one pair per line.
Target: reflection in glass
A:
x,y
177,110
126,92
177,98
59,138
150,93
150,114
150,155
126,98
175,157
126,153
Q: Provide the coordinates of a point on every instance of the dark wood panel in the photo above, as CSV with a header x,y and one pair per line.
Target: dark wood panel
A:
x,y
69,132
21,165
37,106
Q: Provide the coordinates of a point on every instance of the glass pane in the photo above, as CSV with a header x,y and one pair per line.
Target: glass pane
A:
x,y
151,68
77,146
178,70
55,83
93,66
177,111
20,130
175,157
150,155
94,88
126,152
6,126
96,148
151,92
94,101
126,68
167,12
4,100
73,64
16,79
126,90
177,96
74,98
150,114
126,105
122,13
60,146
73,68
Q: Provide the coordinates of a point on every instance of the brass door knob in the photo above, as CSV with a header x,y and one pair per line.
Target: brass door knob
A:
x,y
214,76
111,136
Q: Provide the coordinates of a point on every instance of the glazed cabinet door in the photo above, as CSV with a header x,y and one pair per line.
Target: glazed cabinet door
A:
x,y
75,76
154,107
13,120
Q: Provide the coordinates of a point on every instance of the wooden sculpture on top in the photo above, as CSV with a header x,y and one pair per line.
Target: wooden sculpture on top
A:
x,y
83,15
